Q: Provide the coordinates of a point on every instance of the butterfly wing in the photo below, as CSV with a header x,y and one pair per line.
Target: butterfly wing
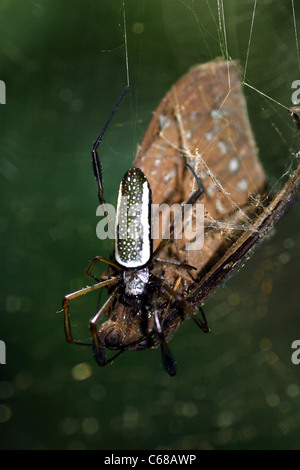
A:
x,y
203,120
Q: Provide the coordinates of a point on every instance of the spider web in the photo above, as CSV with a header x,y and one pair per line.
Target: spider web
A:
x,y
222,151
271,108
267,103
241,211
234,200
236,189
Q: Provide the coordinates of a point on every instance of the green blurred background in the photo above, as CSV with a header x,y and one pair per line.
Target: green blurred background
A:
x,y
64,67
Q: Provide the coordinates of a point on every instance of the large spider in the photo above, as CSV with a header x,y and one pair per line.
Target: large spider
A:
x,y
136,319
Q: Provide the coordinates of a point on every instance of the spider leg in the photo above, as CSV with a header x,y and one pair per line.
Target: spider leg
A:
x,y
194,197
175,263
97,166
74,295
98,349
103,260
185,304
167,357
174,288
204,317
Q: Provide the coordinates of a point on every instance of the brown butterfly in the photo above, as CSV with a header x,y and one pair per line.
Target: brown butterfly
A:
x,y
197,150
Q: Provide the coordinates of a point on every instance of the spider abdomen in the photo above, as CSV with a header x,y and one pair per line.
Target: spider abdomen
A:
x,y
133,232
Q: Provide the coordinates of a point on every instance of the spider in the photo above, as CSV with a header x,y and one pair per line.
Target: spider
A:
x,y
136,318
